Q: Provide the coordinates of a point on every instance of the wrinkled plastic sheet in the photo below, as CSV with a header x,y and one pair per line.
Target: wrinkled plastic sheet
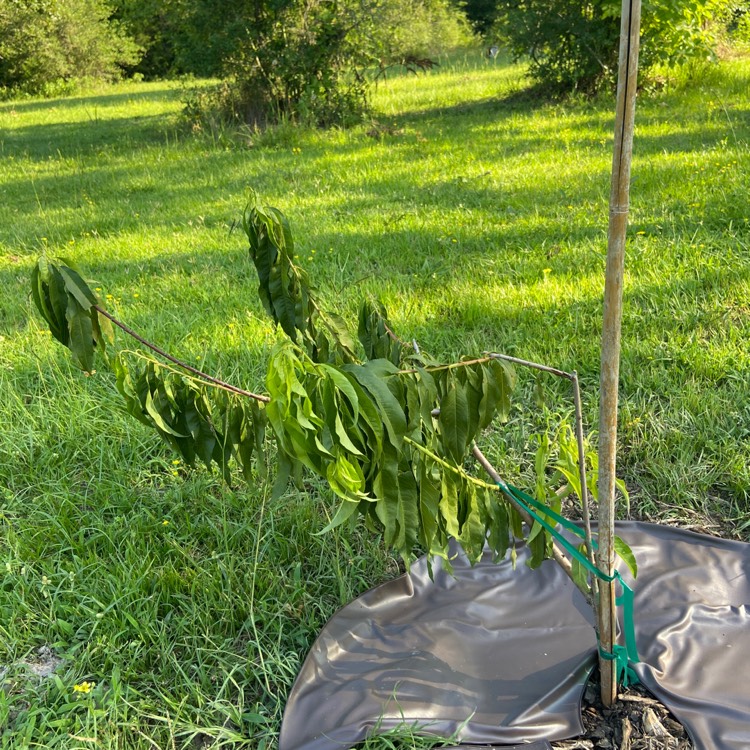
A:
x,y
497,656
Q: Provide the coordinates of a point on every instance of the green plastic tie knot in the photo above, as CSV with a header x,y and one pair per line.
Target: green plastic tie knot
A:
x,y
626,655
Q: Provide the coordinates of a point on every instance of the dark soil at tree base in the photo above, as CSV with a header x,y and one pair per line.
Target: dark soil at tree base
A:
x,y
637,721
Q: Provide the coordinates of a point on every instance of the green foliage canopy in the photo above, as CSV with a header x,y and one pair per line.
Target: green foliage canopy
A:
x,y
305,59
390,431
202,37
574,45
279,58
45,45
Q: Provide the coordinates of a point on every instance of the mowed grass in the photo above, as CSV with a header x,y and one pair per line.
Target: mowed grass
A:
x,y
478,214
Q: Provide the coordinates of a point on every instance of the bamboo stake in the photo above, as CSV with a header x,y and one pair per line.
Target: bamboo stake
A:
x,y
611,329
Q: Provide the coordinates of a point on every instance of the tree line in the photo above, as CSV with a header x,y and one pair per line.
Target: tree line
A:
x,y
315,59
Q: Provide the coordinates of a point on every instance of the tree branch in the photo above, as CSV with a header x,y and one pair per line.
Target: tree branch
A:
x,y
451,366
534,365
220,383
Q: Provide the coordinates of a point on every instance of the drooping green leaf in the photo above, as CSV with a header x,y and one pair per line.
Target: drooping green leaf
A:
x,y
473,376
541,459
579,572
449,504
429,505
497,385
343,384
408,512
516,521
375,333
626,555
367,336
283,473
257,426
241,433
66,303
51,299
283,302
537,546
620,484
341,336
158,411
81,340
76,286
102,331
428,394
344,438
285,290
473,530
454,422
498,536
413,410
370,424
346,478
386,491
40,295
391,412
346,509
127,389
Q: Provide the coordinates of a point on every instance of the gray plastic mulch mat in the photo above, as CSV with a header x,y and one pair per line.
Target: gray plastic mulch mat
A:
x,y
496,656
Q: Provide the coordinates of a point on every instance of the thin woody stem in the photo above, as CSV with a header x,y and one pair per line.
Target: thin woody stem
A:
x,y
573,377
534,365
448,466
582,468
392,335
220,383
557,553
451,366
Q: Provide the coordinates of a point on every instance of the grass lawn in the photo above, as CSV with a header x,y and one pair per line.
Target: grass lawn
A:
x,y
180,610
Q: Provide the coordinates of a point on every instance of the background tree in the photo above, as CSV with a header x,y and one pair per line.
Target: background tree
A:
x,y
158,27
278,58
573,46
481,14
49,44
313,59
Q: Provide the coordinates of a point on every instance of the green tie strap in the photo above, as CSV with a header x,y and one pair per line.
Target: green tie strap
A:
x,y
625,655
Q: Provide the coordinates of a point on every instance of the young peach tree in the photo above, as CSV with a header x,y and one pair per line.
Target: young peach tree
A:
x,y
386,426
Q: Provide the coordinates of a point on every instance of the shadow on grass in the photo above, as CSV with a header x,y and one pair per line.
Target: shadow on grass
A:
x,y
528,99
115,135
188,185
524,229
95,100
508,306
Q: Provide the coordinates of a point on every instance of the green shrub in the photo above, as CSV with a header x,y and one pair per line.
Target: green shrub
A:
x,y
158,27
433,27
574,46
309,60
47,45
738,26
